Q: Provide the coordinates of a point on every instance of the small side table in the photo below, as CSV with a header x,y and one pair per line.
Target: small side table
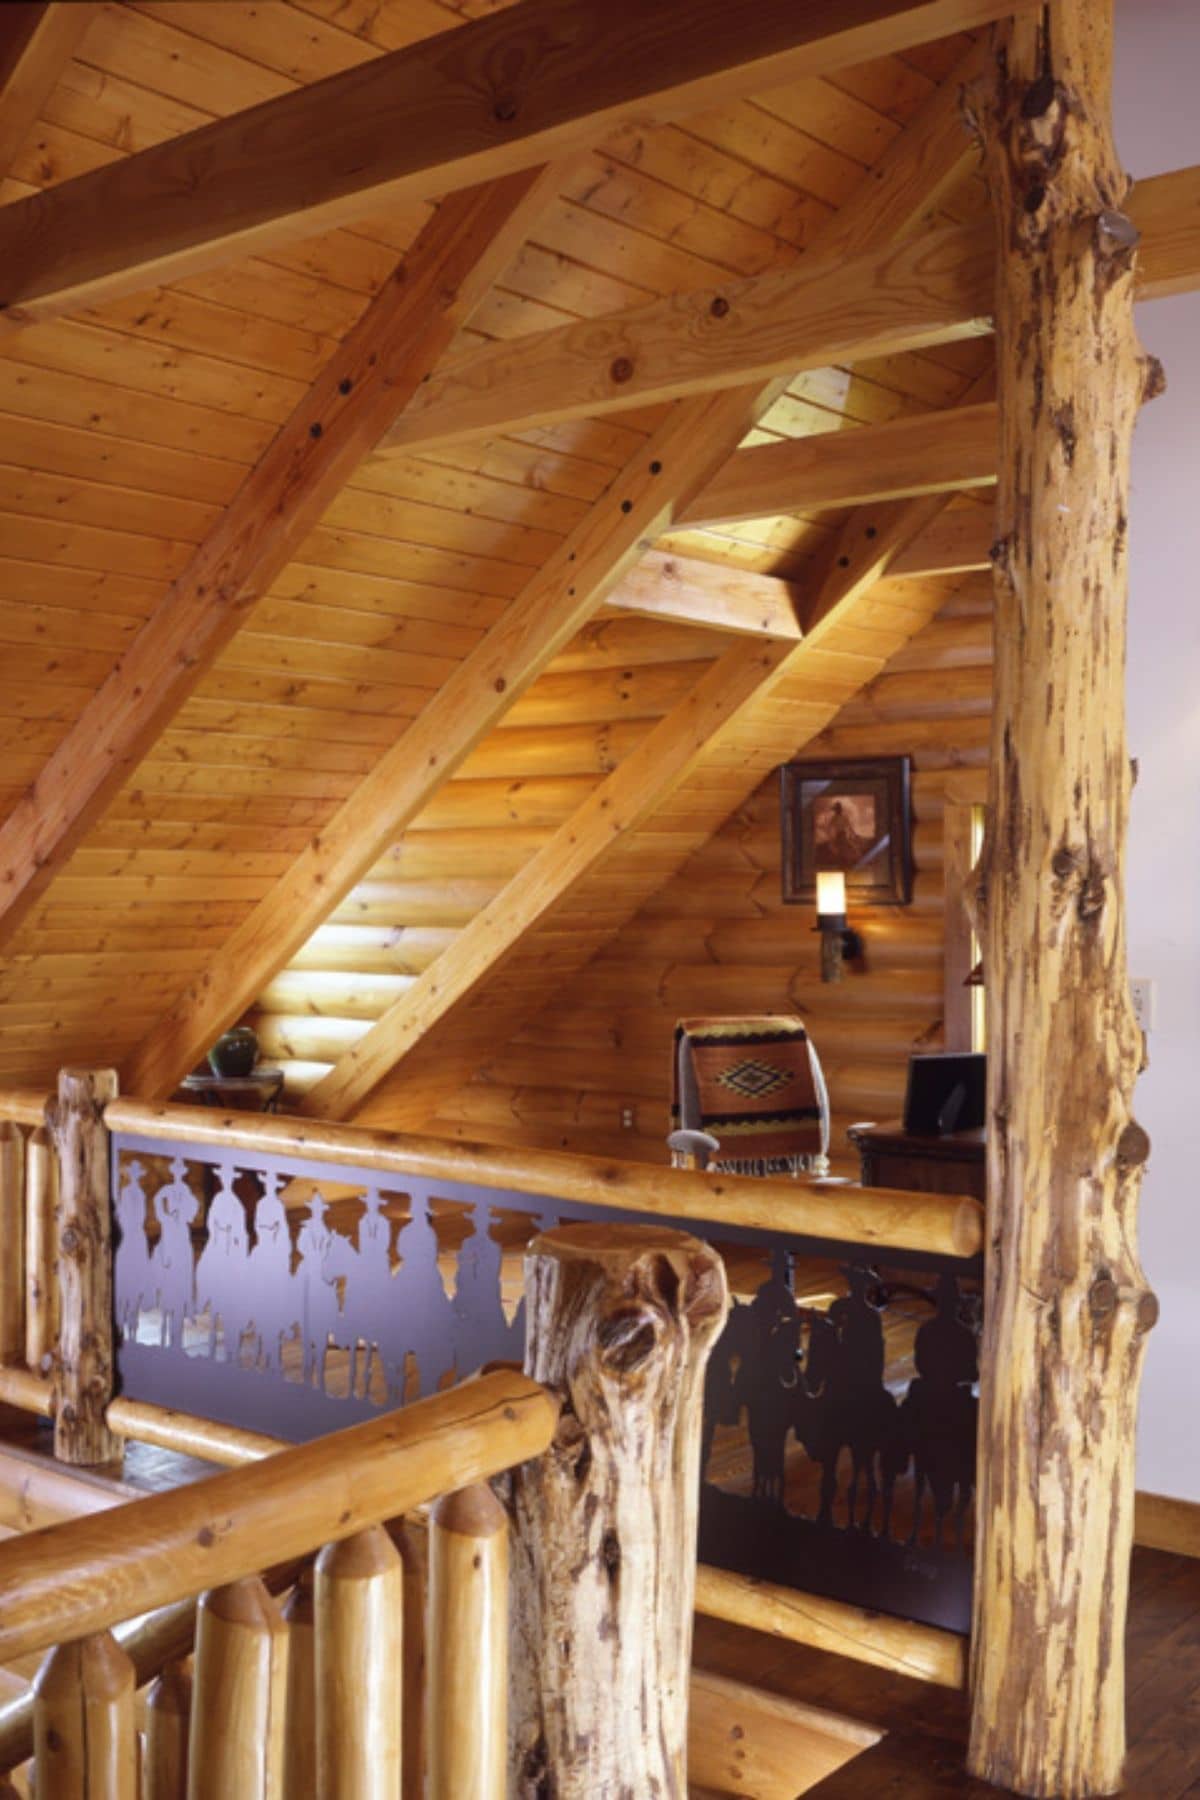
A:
x,y
258,1092
892,1157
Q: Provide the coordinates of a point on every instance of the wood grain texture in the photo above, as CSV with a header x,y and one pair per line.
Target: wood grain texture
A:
x,y
930,289
98,1571
371,378
1067,1305
358,1616
83,1375
467,1674
84,1736
621,1321
496,96
13,1237
37,41
168,1718
41,1262
239,1695
667,468
928,453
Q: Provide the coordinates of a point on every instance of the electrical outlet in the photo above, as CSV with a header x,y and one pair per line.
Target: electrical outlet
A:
x,y
628,1118
1143,995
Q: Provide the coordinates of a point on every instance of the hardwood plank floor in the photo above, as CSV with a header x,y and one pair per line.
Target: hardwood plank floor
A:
x,y
921,1758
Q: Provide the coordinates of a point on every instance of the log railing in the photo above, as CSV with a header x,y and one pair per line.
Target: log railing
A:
x,y
228,1170
191,1559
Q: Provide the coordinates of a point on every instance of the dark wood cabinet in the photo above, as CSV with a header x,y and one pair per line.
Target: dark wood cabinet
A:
x,y
889,1156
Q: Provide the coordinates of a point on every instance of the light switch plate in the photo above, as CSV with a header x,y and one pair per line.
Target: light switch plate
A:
x,y
1143,994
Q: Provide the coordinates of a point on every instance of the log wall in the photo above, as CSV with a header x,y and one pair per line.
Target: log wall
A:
x,y
718,939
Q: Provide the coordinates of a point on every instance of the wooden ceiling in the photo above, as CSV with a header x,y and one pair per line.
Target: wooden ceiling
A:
x,y
477,694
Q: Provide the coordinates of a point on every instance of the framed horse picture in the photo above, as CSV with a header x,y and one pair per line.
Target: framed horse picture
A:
x,y
852,816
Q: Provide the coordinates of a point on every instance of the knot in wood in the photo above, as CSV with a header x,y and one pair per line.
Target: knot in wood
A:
x,y
621,369
70,1243
1102,1297
627,1339
1116,233
1133,1146
1147,1312
1154,379
1091,896
1064,862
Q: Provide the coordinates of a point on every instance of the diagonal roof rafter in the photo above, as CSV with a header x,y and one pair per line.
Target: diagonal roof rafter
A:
x,y
404,330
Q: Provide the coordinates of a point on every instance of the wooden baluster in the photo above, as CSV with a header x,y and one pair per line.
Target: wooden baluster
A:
x,y
621,1321
168,1713
466,1694
41,1270
300,1729
83,1218
12,1236
239,1694
359,1606
413,1547
84,1733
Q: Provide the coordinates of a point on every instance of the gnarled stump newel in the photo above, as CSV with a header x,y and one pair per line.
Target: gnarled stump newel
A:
x,y
1067,1305
621,1321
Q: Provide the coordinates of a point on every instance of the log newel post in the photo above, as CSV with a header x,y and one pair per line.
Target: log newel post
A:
x,y
1067,1303
83,1360
621,1320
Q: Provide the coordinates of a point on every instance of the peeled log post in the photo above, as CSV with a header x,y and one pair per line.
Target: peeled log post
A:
x,y
12,1237
1067,1303
41,1273
621,1319
84,1733
239,1693
467,1689
83,1219
358,1607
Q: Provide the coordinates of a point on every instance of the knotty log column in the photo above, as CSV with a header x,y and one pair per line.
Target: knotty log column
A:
x,y
1067,1303
621,1321
83,1369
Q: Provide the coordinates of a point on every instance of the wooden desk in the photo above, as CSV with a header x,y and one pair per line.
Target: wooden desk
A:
x,y
892,1157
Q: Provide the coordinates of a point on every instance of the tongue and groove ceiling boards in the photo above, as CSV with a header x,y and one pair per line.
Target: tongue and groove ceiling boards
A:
x,y
290,721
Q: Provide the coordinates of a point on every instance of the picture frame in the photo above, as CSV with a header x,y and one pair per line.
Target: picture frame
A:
x,y
851,814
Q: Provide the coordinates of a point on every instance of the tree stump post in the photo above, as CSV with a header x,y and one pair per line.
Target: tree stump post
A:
x,y
621,1320
83,1365
1067,1306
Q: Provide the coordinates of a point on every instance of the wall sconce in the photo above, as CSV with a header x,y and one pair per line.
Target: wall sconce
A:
x,y
838,941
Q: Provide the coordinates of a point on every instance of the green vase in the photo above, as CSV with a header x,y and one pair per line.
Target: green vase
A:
x,y
234,1054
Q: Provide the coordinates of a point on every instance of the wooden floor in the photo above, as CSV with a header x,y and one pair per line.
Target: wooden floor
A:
x,y
921,1758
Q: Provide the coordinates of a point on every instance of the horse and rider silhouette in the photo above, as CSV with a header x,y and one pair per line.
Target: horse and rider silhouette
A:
x,y
819,1376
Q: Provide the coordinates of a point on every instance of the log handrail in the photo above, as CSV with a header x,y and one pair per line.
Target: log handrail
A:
x,y
814,1206
24,1106
68,1581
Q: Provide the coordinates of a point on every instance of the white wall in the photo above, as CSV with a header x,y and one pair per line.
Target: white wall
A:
x,y
1157,102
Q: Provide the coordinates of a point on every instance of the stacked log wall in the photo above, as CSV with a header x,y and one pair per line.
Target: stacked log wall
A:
x,y
719,940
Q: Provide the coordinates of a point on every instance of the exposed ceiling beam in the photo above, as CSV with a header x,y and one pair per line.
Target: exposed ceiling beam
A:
x,y
927,454
672,464
430,1040
823,310
501,93
694,592
643,783
37,42
688,450
399,337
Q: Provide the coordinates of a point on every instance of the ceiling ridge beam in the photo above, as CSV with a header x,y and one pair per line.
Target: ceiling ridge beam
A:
x,y
479,101
837,308
376,369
